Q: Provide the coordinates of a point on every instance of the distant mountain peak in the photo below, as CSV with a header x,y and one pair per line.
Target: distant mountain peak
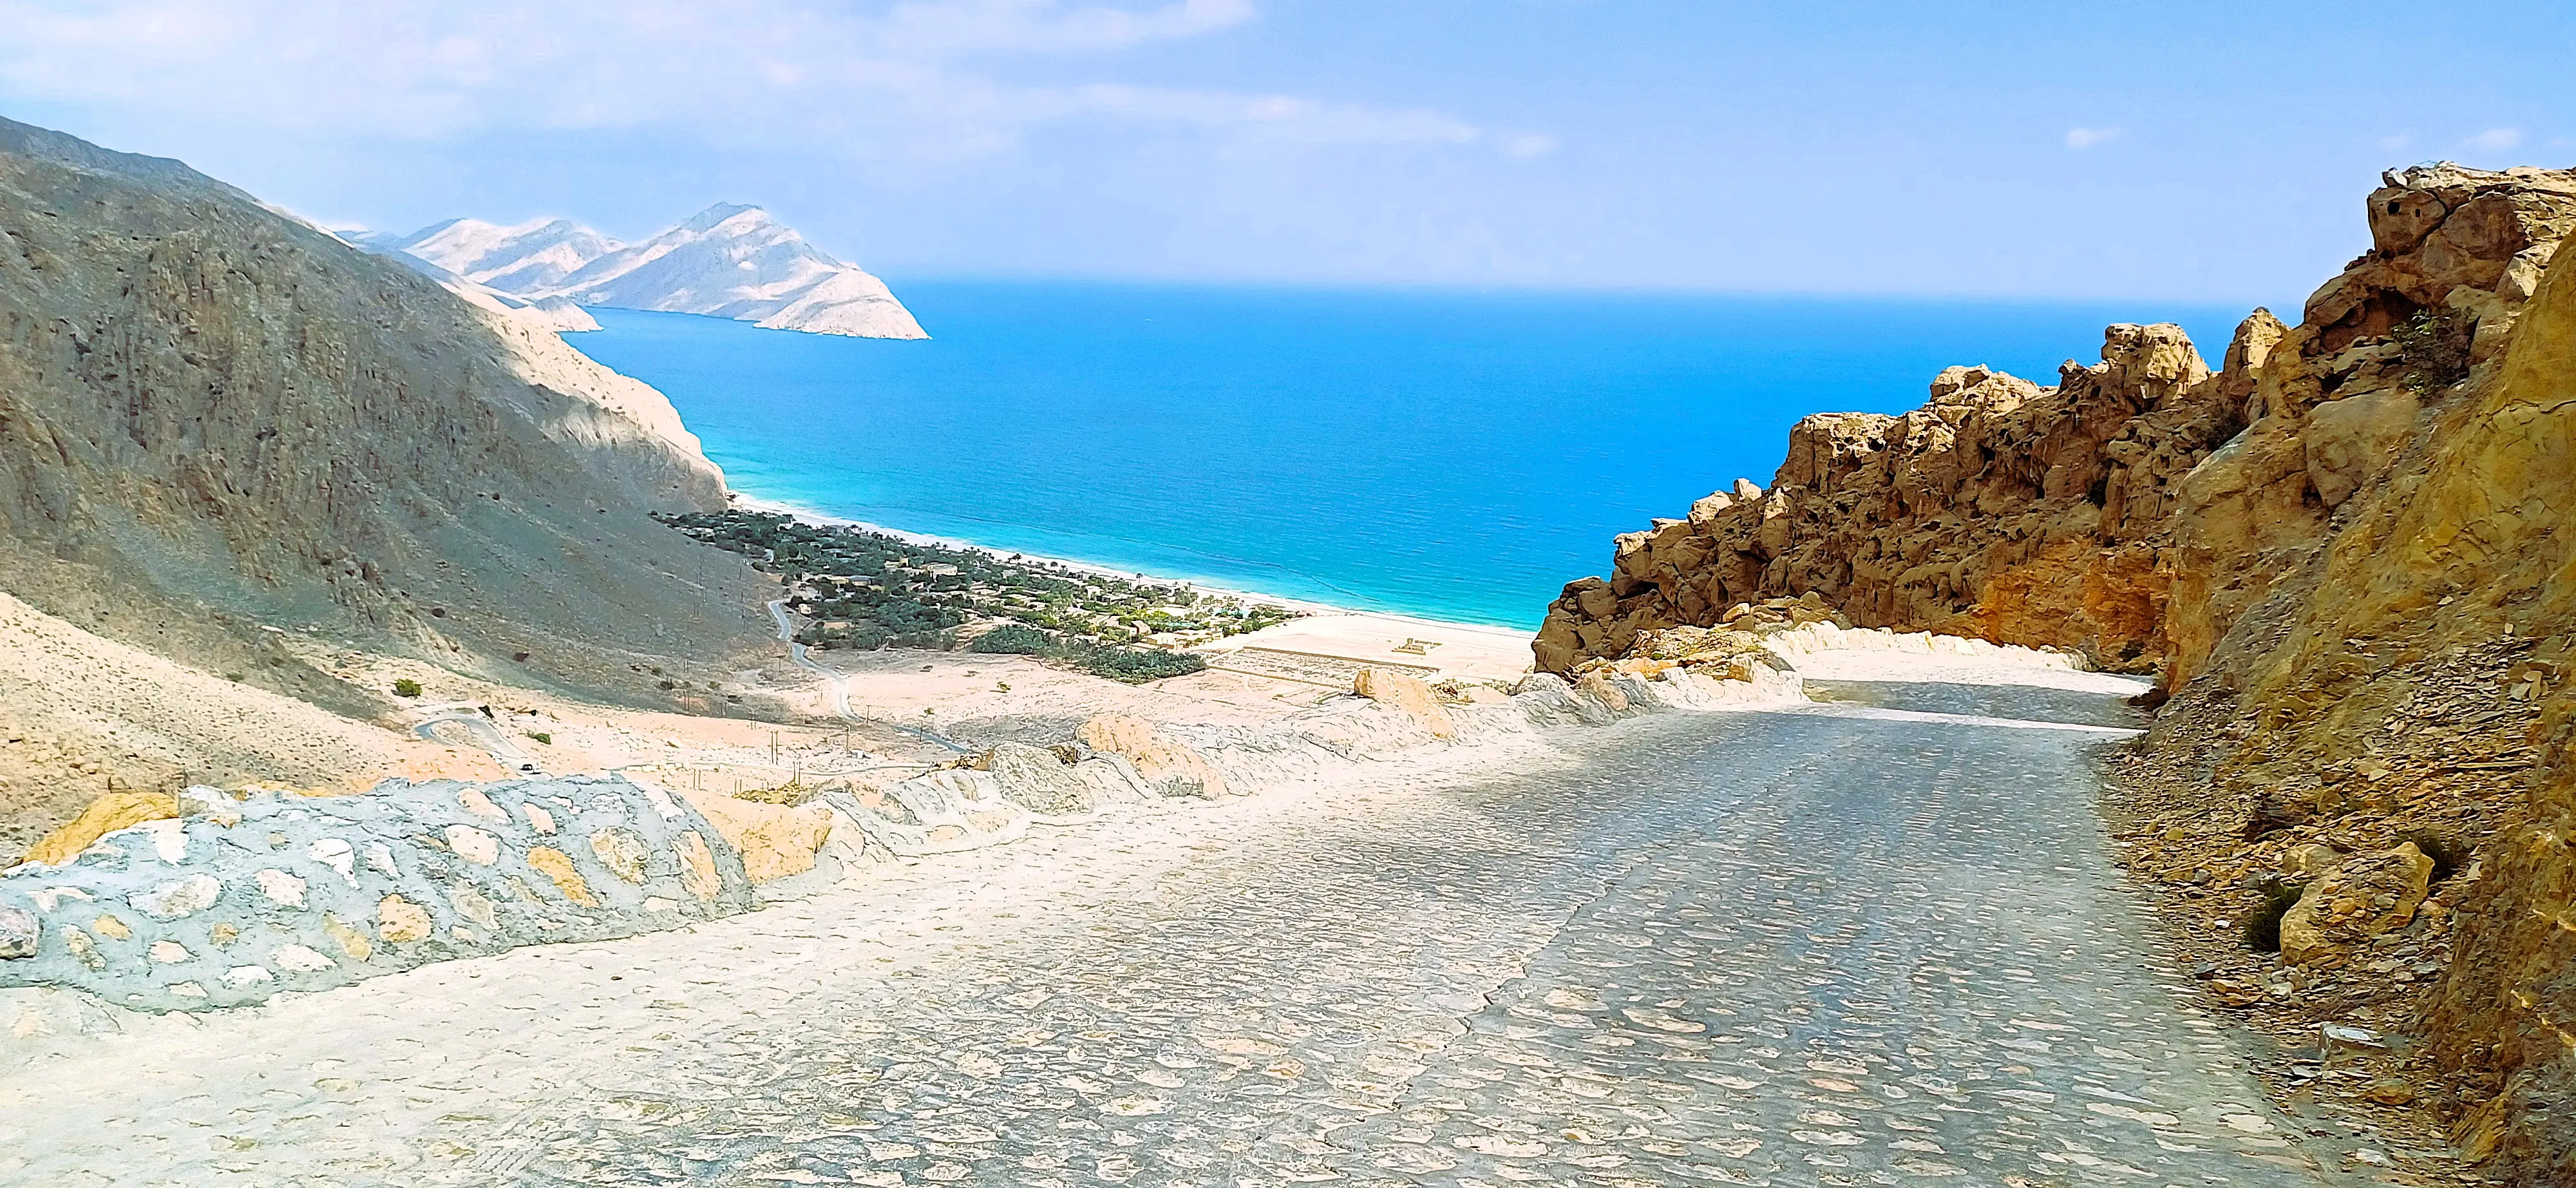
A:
x,y
730,260
708,219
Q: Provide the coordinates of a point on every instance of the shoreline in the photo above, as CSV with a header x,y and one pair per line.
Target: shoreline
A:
x,y
1303,606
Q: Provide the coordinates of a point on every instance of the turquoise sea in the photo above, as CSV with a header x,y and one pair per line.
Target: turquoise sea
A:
x,y
1453,455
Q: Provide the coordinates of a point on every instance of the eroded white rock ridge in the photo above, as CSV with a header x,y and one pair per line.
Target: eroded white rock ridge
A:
x,y
726,261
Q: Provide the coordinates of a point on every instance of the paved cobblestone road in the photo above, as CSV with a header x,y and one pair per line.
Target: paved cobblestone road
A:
x,y
1778,948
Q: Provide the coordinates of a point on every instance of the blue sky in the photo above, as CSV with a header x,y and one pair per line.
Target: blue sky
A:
x,y
2177,151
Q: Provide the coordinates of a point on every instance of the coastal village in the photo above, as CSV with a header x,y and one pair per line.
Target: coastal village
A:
x,y
862,590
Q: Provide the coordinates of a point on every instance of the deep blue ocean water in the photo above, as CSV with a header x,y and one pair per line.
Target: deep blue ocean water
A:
x,y
1454,455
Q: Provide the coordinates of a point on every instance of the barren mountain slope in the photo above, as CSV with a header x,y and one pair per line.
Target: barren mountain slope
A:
x,y
78,711
215,420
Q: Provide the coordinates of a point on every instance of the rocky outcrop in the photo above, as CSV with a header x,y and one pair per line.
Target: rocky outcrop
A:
x,y
2373,614
1171,768
774,840
105,815
2355,395
2001,509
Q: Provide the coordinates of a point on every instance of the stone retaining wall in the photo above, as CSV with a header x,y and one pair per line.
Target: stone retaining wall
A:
x,y
241,899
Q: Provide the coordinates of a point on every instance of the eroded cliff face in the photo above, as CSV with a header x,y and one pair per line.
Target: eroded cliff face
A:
x,y
231,440
2002,509
2493,533
2350,399
2451,583
2351,551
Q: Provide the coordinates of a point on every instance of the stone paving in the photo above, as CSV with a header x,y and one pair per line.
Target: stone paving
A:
x,y
1791,948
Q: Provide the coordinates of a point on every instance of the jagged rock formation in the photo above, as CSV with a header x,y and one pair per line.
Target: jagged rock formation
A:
x,y
2343,406
232,440
725,261
2021,514
2362,603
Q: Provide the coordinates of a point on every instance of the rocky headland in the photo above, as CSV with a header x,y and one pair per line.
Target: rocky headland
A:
x,y
2343,551
726,261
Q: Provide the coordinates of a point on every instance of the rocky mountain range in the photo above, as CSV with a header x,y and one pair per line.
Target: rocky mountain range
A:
x,y
2346,553
240,451
557,314
725,261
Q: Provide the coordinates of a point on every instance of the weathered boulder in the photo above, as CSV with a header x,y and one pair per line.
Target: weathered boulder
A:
x,y
2351,441
775,840
1170,768
2363,896
1409,694
2310,861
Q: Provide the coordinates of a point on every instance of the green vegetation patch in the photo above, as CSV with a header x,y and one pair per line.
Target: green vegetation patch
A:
x,y
1132,665
1014,639
852,589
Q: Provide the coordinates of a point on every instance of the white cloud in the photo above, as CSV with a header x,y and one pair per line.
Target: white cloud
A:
x,y
2496,140
915,79
2085,138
